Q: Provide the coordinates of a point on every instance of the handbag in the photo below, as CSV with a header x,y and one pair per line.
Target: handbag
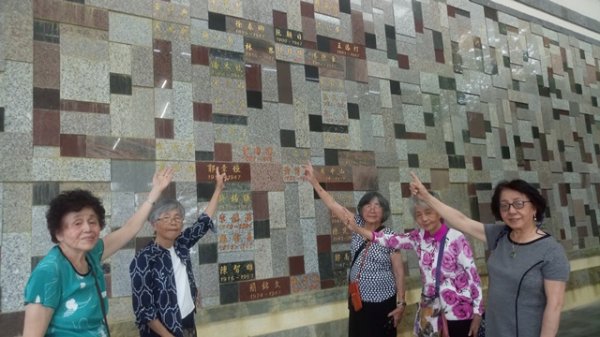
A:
x,y
481,331
354,298
430,320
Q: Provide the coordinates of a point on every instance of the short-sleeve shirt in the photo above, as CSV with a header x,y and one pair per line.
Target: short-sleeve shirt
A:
x,y
377,282
55,284
516,296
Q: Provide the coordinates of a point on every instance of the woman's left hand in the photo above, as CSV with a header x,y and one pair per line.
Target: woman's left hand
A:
x,y
220,179
397,315
474,328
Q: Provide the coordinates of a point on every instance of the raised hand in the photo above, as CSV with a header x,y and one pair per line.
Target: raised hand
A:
x,y
417,189
309,174
220,179
162,178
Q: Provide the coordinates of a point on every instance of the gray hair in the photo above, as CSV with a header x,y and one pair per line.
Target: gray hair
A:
x,y
165,205
416,202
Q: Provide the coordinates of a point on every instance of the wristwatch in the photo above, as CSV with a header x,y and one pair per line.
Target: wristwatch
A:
x,y
400,303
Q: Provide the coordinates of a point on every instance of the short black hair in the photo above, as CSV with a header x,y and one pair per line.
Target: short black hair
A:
x,y
72,201
520,186
383,202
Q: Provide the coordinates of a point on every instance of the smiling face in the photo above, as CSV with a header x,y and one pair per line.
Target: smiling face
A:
x,y
168,226
427,218
79,231
372,212
512,216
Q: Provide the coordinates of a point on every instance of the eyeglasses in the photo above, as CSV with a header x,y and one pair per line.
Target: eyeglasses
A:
x,y
517,204
169,219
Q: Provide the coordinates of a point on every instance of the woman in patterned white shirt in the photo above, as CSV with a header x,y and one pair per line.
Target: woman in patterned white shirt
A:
x,y
378,270
459,285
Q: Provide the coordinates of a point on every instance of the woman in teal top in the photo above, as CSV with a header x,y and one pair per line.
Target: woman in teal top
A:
x,y
63,294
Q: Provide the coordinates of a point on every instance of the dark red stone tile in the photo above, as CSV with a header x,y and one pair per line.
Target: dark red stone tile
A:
x,y
200,55
476,124
562,193
358,28
279,19
323,243
164,128
419,26
439,56
253,77
11,323
70,12
477,164
223,152
46,127
120,148
46,65
141,242
266,288
46,98
307,9
80,106
451,11
72,145
403,61
163,68
202,112
339,186
296,264
284,82
309,29
260,205
364,178
326,284
205,171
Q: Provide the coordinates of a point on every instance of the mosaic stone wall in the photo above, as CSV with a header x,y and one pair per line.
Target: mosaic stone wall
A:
x,y
99,93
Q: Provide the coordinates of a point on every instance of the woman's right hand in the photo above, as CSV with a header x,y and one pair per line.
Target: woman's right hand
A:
x,y
417,189
309,174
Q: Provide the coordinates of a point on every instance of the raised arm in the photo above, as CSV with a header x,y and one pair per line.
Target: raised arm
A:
x,y
119,238
452,216
220,179
336,209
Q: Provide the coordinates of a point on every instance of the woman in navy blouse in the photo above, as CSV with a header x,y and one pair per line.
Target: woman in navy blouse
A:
x,y
163,288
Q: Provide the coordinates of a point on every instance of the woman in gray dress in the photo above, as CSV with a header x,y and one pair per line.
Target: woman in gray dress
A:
x,y
528,269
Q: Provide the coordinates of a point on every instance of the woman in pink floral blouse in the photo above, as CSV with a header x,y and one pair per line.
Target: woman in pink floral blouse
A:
x,y
459,284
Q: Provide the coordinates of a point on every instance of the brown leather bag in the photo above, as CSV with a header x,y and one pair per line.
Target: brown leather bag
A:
x,y
354,293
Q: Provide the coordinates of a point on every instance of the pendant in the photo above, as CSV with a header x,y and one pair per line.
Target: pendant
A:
x,y
513,254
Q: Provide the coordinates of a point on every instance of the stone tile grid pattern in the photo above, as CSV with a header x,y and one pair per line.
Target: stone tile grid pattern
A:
x,y
510,99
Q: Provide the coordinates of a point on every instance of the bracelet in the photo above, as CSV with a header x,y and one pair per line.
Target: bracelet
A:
x,y
400,303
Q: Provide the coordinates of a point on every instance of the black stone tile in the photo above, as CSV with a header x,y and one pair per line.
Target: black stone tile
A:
x,y
438,41
335,128
204,191
207,253
488,126
490,13
77,1
462,12
217,21
399,131
353,111
370,41
450,148
578,88
315,123
229,119
466,135
390,32
323,43
345,6
287,138
594,101
391,50
413,160
44,192
1,119
395,87
505,152
522,105
506,61
483,186
502,28
331,157
46,31
229,293
262,229
204,156
311,73
558,93
569,166
46,98
120,84
597,149
516,85
429,119
456,161
561,145
447,83
254,99
582,54
536,132
325,266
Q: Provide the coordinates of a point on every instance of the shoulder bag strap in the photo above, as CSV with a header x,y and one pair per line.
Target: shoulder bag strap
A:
x,y
99,297
438,271
362,246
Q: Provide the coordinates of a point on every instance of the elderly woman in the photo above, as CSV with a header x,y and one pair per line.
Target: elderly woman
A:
x,y
528,269
164,291
447,268
379,271
66,293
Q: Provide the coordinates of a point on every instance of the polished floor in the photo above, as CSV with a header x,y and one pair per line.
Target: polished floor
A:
x,y
581,322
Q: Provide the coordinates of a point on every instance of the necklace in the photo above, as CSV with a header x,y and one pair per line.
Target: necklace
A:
x,y
513,252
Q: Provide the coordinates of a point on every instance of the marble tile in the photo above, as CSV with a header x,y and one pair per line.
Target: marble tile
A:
x,y
175,150
130,176
276,210
129,29
16,259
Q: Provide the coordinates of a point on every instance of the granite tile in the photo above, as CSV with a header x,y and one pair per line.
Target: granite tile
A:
x,y
183,109
16,152
129,115
84,123
228,96
41,241
182,68
119,272
171,11
16,258
129,29
120,58
18,29
16,97
137,7
204,134
264,125
142,66
266,177
18,198
276,210
83,80
201,35
131,176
